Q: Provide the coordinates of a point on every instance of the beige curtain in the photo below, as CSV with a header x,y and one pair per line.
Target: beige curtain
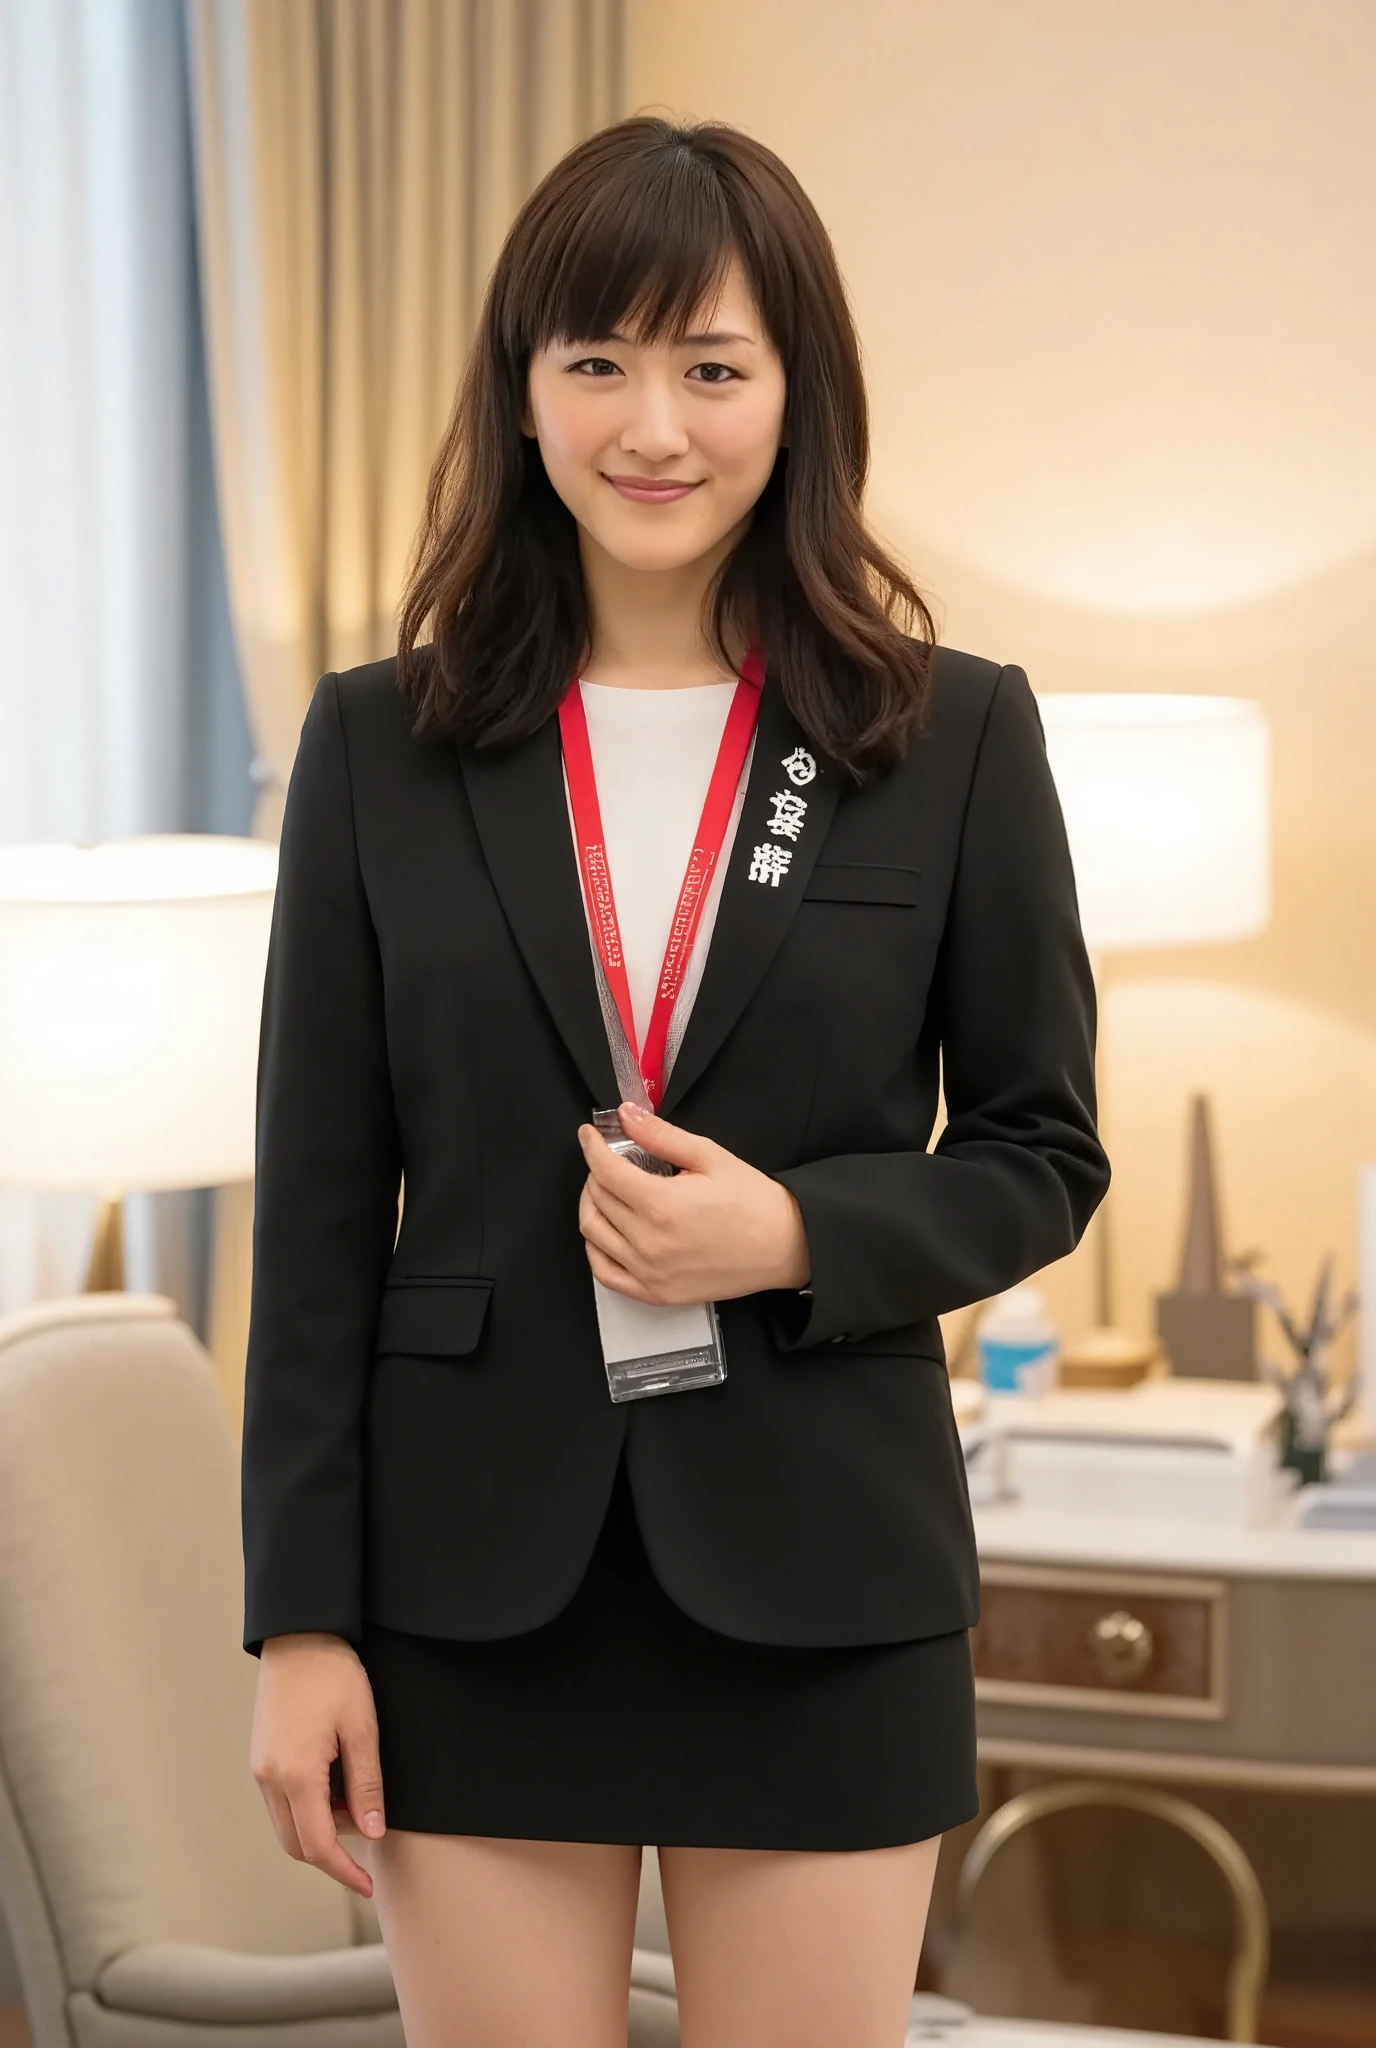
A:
x,y
357,164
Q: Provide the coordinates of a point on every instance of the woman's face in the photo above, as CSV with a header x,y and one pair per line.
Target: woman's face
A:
x,y
701,419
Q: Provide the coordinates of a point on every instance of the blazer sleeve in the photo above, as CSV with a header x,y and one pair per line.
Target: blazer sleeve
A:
x,y
1018,1171
327,1180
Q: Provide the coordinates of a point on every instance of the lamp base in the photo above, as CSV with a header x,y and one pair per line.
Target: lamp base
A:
x,y
105,1273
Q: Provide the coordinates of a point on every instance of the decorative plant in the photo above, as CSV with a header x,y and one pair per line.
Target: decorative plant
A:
x,y
1312,1404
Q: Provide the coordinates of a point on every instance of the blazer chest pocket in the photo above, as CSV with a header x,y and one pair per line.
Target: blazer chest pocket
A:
x,y
855,881
431,1318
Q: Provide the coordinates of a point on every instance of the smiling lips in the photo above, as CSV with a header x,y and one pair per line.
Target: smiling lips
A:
x,y
645,491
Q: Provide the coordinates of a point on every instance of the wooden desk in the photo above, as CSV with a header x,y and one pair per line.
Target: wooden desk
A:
x,y
1227,1657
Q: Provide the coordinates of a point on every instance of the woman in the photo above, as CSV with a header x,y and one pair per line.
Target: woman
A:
x,y
596,1506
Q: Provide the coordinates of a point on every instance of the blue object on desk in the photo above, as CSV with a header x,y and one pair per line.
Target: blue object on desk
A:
x,y
1003,1367
1016,1343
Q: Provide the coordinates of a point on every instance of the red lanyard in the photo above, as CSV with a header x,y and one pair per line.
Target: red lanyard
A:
x,y
707,844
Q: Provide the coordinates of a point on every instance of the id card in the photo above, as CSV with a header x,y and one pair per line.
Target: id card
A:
x,y
648,1347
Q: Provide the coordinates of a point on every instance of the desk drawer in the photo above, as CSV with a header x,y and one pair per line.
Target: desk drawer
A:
x,y
1138,1644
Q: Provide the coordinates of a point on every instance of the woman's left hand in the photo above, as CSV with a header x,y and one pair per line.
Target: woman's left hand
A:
x,y
715,1229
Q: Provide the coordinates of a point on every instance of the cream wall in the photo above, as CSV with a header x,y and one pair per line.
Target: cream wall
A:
x,y
1114,268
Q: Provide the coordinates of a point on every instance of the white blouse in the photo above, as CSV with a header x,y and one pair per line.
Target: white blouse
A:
x,y
653,752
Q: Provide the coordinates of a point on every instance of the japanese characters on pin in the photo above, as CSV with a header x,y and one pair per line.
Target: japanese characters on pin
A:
x,y
770,862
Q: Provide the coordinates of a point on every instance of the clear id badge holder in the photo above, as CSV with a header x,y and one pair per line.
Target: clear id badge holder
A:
x,y
649,1348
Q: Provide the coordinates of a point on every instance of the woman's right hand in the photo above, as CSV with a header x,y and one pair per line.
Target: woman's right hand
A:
x,y
314,1703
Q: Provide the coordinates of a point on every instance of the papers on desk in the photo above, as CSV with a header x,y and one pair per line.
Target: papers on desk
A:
x,y
1346,1501
931,2018
986,1452
1203,1450
1210,1415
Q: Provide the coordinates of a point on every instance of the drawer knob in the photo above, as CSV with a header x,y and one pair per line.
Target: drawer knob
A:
x,y
1122,1646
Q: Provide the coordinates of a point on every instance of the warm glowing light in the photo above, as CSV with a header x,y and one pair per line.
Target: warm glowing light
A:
x,y
1167,808
131,983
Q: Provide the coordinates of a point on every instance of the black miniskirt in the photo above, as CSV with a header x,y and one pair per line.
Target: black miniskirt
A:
x,y
623,1719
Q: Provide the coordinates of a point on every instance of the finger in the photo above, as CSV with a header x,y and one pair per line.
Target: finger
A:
x,y
667,1141
284,1827
612,1245
640,1191
627,1217
310,1811
616,1277
358,1753
600,1206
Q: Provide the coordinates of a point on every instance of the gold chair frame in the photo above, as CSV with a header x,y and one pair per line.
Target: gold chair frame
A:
x,y
1251,1952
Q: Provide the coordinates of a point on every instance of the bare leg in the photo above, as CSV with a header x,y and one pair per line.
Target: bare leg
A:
x,y
506,1944
796,1949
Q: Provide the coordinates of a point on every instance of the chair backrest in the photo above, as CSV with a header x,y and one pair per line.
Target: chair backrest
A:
x,y
1246,1974
126,1698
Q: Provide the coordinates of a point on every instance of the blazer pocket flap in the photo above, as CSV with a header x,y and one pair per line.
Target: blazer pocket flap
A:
x,y
432,1318
854,881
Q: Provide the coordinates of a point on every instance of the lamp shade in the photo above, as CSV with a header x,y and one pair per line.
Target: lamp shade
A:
x,y
131,986
1168,812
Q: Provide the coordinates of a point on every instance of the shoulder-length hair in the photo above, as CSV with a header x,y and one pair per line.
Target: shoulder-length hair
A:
x,y
637,225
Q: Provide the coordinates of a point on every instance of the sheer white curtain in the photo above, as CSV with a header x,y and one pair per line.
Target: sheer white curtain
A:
x,y
99,559
359,162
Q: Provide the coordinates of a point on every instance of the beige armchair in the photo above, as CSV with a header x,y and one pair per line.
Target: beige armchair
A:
x,y
147,1898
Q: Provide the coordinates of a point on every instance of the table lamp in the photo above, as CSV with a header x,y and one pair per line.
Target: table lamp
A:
x,y
131,985
1167,809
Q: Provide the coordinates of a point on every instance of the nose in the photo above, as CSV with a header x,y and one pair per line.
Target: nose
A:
x,y
654,428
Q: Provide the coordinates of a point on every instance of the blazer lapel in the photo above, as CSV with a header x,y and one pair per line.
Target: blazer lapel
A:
x,y
766,873
517,796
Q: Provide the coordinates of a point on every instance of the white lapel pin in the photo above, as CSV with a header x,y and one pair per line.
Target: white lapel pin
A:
x,y
790,809
769,862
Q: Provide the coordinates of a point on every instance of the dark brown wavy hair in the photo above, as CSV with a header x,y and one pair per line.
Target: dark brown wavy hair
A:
x,y
634,228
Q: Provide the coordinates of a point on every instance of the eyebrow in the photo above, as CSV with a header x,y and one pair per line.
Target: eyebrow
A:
x,y
713,340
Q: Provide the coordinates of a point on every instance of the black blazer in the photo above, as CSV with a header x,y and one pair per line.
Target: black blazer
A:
x,y
428,1436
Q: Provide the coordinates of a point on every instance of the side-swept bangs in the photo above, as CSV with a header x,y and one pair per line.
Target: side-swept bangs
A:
x,y
633,231
631,246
